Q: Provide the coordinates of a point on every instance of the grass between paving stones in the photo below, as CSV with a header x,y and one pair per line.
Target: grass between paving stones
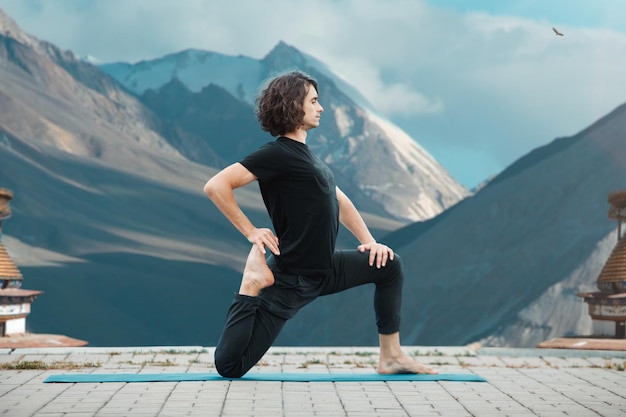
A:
x,y
166,352
608,365
617,366
165,363
41,365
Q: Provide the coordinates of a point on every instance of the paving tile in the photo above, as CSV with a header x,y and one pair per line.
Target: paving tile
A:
x,y
522,382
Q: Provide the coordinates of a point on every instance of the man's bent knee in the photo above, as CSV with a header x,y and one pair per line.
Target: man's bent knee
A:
x,y
228,369
397,261
229,372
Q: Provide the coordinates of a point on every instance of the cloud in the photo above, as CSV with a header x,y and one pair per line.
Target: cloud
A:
x,y
498,85
118,30
508,84
400,99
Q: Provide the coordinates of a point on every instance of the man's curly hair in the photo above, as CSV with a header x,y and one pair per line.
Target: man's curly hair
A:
x,y
279,106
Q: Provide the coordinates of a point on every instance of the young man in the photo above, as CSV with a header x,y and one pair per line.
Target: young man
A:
x,y
305,206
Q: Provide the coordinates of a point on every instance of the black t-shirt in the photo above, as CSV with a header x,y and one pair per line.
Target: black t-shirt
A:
x,y
300,196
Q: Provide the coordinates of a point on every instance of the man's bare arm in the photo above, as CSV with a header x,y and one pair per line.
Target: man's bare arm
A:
x,y
352,220
220,189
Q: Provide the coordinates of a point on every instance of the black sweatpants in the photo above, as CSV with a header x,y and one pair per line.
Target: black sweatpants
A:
x,y
253,323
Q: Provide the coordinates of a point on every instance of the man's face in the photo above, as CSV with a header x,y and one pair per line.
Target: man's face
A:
x,y
312,110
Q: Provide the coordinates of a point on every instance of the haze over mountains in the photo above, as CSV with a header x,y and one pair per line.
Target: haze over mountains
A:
x,y
107,167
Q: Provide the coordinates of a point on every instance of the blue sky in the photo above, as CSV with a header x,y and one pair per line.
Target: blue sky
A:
x,y
606,14
477,83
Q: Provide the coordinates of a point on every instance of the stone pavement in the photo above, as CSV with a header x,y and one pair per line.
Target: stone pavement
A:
x,y
521,382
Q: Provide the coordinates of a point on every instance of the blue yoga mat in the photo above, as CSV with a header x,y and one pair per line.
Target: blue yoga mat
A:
x,y
260,376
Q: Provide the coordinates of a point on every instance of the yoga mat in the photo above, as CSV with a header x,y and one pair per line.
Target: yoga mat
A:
x,y
260,376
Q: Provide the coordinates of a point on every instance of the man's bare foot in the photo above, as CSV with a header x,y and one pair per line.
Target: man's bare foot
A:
x,y
402,365
394,361
256,274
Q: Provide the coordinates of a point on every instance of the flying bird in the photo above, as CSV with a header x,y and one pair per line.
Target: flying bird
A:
x,y
556,32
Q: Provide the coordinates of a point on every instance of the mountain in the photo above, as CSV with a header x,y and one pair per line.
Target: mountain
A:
x,y
504,266
110,222
203,126
510,239
109,218
376,163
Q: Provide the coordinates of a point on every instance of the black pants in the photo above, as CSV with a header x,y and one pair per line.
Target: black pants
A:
x,y
253,323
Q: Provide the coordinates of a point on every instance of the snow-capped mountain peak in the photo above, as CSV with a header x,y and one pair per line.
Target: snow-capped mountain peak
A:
x,y
409,185
195,68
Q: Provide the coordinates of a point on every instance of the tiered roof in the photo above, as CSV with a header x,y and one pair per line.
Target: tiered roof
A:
x,y
8,269
612,278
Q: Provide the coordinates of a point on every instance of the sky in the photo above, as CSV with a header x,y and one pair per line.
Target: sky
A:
x,y
477,83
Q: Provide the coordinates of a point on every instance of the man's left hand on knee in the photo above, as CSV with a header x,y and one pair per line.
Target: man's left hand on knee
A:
x,y
379,253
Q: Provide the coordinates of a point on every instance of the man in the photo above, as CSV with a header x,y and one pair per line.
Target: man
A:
x,y
305,206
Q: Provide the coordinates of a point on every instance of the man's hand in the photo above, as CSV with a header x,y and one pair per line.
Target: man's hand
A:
x,y
264,237
379,253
